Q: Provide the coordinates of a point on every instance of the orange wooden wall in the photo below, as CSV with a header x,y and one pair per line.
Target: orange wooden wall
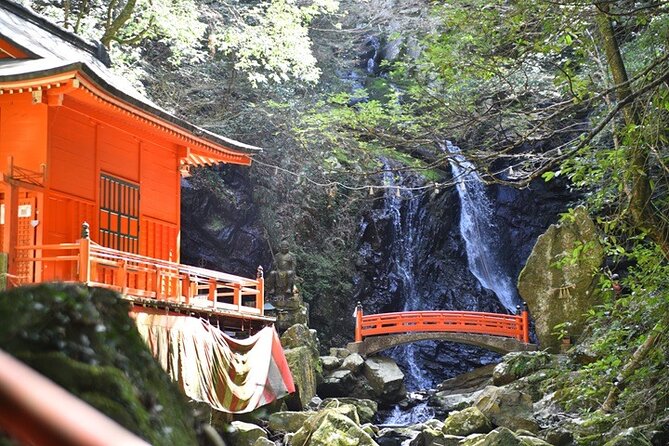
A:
x,y
22,131
80,149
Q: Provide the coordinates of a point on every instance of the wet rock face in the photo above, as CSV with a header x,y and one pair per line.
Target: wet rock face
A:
x,y
524,214
442,274
220,222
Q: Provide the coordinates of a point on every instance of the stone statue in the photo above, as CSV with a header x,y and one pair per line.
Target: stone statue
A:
x,y
282,278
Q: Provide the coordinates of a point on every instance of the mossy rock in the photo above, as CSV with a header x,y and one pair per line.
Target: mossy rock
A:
x,y
244,434
304,367
559,278
433,437
287,421
330,428
466,422
83,339
499,437
519,364
507,407
366,408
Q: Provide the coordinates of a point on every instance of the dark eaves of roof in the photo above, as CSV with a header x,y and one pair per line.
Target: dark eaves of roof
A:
x,y
36,68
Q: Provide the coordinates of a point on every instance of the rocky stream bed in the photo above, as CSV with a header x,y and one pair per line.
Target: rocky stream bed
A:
x,y
515,402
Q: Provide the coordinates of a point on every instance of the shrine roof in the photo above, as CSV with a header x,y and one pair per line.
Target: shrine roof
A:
x,y
48,50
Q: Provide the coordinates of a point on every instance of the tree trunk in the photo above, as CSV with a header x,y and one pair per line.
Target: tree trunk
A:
x,y
639,204
630,367
115,24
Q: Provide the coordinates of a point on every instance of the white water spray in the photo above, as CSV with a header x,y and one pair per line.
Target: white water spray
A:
x,y
479,231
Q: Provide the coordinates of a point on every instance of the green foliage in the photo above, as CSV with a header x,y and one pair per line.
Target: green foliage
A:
x,y
270,42
175,23
523,364
618,327
267,41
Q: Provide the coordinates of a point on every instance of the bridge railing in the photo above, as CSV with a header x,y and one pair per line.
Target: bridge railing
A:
x,y
506,325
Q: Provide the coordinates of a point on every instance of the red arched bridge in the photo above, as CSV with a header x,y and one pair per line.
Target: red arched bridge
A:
x,y
502,333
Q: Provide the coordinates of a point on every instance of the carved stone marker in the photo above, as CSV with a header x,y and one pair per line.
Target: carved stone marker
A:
x,y
283,294
282,278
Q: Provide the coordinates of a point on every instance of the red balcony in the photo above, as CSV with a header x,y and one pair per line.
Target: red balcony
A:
x,y
235,301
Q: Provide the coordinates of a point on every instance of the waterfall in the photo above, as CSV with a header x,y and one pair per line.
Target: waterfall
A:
x,y
402,207
372,61
479,231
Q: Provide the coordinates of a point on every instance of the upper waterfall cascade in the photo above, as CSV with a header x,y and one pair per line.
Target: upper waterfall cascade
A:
x,y
479,231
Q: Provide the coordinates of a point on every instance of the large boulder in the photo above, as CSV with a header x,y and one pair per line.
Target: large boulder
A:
x,y
501,437
301,350
299,335
386,378
305,375
330,428
559,278
348,410
339,352
508,408
468,382
353,362
466,422
366,408
433,437
447,402
336,383
82,339
330,362
244,434
287,421
396,436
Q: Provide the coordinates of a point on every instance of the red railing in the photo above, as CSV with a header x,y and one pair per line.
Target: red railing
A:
x,y
35,411
506,325
138,277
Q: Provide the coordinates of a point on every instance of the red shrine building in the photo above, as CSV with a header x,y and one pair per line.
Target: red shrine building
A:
x,y
79,144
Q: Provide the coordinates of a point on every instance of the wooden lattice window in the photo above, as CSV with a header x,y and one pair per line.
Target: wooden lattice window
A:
x,y
119,214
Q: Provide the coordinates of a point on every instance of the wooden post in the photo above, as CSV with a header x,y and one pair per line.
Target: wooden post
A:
x,y
159,282
358,322
11,224
121,276
260,297
186,288
525,317
237,296
212,292
85,254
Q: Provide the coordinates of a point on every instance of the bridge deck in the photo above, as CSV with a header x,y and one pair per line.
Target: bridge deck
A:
x,y
498,332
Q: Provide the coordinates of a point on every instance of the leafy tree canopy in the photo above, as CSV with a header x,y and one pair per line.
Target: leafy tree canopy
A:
x,y
267,41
